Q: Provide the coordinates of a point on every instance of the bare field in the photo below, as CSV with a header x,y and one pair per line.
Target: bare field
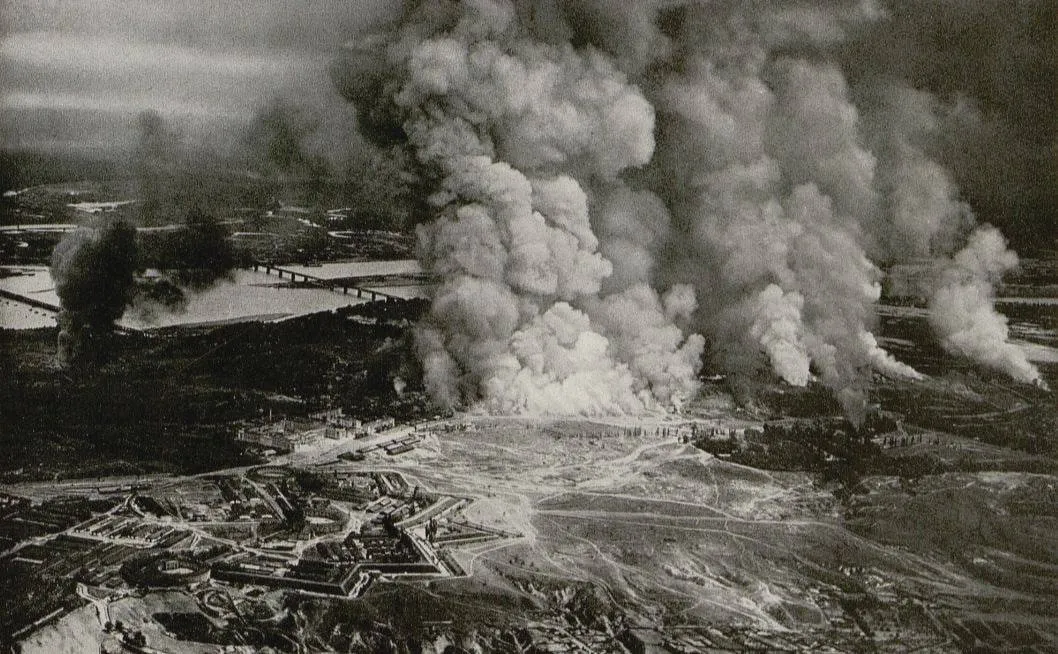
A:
x,y
669,533
667,530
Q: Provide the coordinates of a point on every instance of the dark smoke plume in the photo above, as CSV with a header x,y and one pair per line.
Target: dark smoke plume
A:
x,y
97,272
97,269
157,167
524,143
194,255
94,270
177,177
315,155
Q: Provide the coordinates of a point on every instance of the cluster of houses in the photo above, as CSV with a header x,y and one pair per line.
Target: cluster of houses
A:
x,y
290,435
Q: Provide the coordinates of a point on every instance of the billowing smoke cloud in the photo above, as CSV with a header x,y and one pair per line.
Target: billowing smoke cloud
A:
x,y
97,277
923,217
93,271
612,175
526,141
176,188
962,307
989,70
176,180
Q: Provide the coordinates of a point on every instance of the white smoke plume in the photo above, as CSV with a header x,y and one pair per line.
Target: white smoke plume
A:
x,y
761,158
613,175
924,217
962,307
519,133
886,363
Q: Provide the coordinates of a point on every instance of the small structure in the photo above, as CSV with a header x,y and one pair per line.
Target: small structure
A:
x,y
273,436
284,435
376,426
336,418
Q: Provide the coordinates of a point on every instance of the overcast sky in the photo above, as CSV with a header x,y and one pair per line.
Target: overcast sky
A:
x,y
75,73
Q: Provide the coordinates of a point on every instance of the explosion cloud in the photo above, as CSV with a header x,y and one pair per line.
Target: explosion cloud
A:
x,y
613,179
95,272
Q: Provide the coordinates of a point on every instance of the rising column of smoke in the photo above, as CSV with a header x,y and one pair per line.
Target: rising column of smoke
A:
x,y
645,329
524,138
93,270
923,217
771,192
175,188
760,159
158,170
962,306
784,192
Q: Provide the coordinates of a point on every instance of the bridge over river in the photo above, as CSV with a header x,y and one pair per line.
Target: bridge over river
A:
x,y
336,285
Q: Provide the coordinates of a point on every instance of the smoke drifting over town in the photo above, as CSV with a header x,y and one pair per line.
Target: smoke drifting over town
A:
x,y
615,181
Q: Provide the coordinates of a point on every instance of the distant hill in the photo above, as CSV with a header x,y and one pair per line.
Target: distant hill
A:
x,y
22,168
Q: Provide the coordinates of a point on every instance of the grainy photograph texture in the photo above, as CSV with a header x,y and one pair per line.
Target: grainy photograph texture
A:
x,y
468,326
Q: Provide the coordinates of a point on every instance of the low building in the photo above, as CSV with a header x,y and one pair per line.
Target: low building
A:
x,y
336,418
376,426
283,436
643,641
271,436
306,575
